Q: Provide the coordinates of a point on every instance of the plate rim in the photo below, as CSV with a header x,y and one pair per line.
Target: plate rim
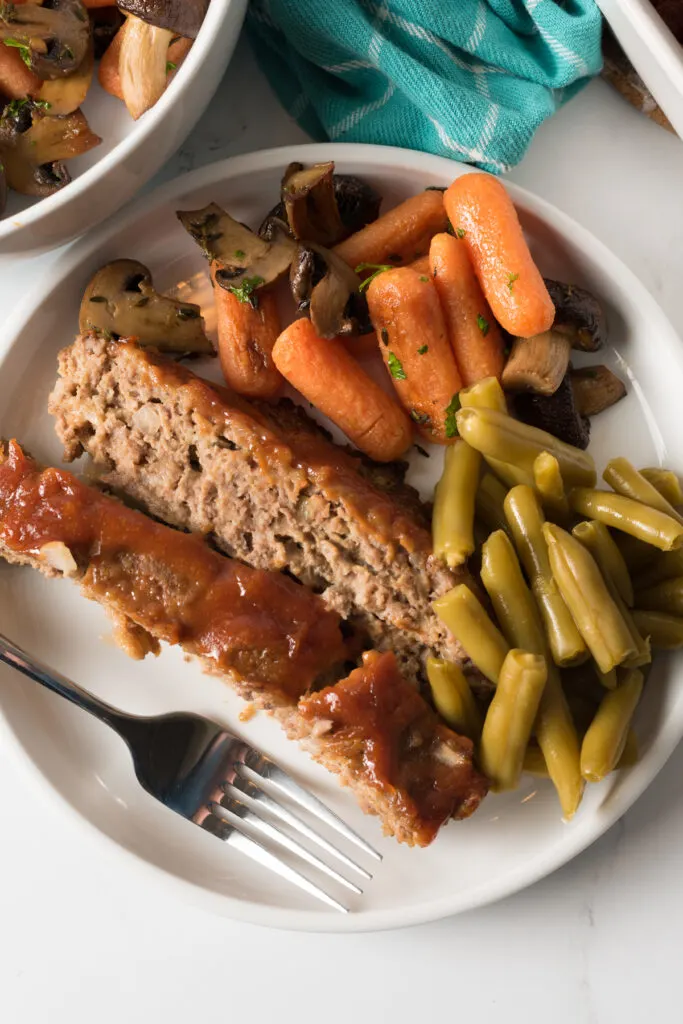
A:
x,y
373,920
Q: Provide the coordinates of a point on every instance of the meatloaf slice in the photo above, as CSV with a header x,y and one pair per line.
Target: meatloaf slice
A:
x,y
378,734
276,495
269,637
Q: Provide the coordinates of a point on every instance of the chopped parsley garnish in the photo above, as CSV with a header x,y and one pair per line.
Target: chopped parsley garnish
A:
x,y
423,277
483,324
460,232
377,268
14,107
170,66
24,50
245,291
511,281
240,254
420,449
420,417
384,335
422,349
451,410
395,367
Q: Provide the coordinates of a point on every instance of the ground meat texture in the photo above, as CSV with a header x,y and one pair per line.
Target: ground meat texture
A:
x,y
380,736
265,486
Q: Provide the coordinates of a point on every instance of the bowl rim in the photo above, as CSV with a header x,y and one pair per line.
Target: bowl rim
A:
x,y
583,834
218,12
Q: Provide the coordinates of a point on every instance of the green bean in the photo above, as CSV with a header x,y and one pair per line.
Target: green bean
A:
x,y
534,762
636,553
599,541
663,565
663,597
464,616
489,503
666,482
510,717
501,437
630,754
603,744
512,476
607,679
632,517
453,515
664,631
526,520
453,698
584,590
550,486
625,479
520,621
485,394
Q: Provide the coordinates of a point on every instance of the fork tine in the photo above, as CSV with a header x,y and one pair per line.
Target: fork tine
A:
x,y
292,819
279,777
235,835
247,812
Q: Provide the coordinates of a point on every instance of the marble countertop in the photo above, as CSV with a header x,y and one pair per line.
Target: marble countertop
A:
x,y
595,943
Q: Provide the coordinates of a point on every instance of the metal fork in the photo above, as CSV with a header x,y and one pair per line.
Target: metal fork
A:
x,y
217,781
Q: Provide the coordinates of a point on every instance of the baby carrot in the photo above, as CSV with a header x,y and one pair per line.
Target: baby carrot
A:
x,y
363,346
483,216
246,335
474,334
324,372
108,74
16,80
399,236
405,312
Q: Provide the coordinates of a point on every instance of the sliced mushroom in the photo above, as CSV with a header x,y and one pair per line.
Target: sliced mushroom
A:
x,y
325,285
121,302
105,21
356,204
578,314
64,95
3,189
142,64
537,364
246,262
53,35
182,17
595,389
556,413
33,147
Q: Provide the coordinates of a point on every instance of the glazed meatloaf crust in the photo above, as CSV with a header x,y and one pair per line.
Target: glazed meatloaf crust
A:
x,y
270,638
264,486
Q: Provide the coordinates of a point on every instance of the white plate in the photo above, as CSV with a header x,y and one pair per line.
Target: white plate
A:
x,y
653,50
512,840
131,151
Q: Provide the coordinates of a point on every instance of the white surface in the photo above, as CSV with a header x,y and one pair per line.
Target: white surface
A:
x,y
598,942
653,50
130,151
517,837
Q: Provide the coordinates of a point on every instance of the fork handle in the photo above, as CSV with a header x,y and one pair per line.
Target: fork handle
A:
x,y
34,669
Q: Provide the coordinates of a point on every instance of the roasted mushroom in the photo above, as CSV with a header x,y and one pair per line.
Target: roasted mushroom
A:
x,y
538,363
142,64
595,389
245,261
181,17
105,21
121,302
3,189
64,95
52,35
325,285
33,147
556,413
323,207
578,314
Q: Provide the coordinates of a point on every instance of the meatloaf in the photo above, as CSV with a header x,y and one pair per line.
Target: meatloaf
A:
x,y
271,638
266,487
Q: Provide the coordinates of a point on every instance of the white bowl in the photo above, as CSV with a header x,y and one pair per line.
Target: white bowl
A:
x,y
131,151
514,838
653,50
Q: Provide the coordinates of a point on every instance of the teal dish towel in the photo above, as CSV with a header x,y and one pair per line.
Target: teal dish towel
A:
x,y
468,79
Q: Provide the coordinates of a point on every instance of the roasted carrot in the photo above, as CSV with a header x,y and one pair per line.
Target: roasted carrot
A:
x,y
177,52
108,74
484,217
399,236
16,80
246,335
405,312
364,345
421,265
324,372
474,335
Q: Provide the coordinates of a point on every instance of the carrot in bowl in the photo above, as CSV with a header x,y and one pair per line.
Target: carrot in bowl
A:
x,y
324,372
247,330
399,236
405,312
16,80
108,75
484,217
474,335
